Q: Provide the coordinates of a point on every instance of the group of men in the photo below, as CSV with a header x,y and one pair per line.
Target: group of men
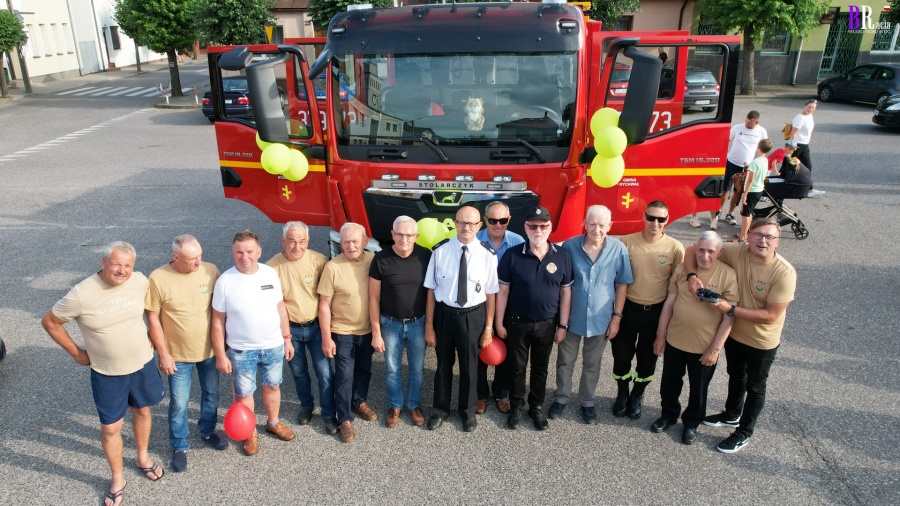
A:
x,y
639,292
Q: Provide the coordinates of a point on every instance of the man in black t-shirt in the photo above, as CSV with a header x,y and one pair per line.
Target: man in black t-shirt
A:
x,y
397,298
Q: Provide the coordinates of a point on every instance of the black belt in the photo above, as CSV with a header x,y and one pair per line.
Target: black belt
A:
x,y
304,324
402,320
514,318
460,310
645,307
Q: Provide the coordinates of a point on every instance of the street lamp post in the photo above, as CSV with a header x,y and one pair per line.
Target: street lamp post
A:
x,y
25,77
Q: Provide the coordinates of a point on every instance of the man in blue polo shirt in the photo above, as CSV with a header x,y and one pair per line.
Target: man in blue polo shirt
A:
x,y
602,273
496,214
532,312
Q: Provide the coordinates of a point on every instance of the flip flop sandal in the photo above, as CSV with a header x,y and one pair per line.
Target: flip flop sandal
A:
x,y
112,496
151,471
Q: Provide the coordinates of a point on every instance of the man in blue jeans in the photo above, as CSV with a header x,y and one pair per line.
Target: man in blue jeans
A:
x,y
299,270
179,316
397,297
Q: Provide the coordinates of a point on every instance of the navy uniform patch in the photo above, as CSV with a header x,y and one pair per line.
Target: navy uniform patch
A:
x,y
436,246
488,247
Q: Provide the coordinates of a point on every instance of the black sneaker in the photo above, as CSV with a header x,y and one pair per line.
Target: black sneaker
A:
x,y
215,441
688,435
661,425
331,426
721,420
515,419
733,443
634,406
589,415
305,416
179,461
556,410
620,405
540,421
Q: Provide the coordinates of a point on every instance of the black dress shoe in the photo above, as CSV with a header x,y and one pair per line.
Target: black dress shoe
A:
x,y
331,426
634,407
661,425
470,424
540,421
435,422
620,405
688,435
516,417
305,416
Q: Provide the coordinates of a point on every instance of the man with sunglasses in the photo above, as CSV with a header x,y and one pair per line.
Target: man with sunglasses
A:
x,y
653,256
397,298
462,287
496,234
533,312
766,285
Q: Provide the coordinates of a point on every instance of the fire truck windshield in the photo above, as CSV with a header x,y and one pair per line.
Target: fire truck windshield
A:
x,y
457,99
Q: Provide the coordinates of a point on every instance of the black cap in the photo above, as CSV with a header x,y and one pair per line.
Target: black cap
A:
x,y
538,214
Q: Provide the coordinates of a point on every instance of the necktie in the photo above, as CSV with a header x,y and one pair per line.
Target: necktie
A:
x,y
461,285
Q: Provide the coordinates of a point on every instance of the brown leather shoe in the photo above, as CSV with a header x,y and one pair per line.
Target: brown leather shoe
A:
x,y
346,432
417,417
481,407
251,444
280,431
393,416
365,412
503,405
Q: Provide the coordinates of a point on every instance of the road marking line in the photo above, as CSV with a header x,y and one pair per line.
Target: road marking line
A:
x,y
91,92
106,92
77,89
143,90
152,93
127,90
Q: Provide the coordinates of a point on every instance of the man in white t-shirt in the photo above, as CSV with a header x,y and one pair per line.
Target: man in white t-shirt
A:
x,y
249,315
742,142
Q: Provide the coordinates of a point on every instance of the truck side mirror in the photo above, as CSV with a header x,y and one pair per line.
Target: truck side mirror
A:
x,y
265,102
643,87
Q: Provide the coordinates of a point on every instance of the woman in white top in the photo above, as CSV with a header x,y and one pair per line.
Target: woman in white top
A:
x,y
801,131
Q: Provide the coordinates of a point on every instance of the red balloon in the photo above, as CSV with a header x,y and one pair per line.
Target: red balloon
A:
x,y
239,422
494,353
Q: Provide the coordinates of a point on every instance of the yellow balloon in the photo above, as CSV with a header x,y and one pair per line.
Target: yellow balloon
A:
x,y
603,118
607,172
299,167
431,232
451,233
261,143
276,159
610,142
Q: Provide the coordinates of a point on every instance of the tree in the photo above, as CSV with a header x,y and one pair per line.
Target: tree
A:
x,y
165,26
756,19
893,15
608,11
324,10
12,35
233,22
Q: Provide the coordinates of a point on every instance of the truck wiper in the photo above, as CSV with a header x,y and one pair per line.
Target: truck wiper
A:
x,y
424,141
536,151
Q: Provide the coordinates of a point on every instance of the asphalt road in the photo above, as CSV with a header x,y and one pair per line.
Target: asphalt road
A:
x,y
87,172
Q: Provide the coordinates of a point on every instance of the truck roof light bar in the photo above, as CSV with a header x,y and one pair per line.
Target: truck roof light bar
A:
x,y
359,7
553,2
427,177
568,24
338,30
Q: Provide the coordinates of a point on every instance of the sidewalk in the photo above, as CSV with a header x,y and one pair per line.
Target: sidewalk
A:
x,y
98,78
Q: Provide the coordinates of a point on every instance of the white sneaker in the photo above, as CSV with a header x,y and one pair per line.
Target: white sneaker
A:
x,y
729,219
696,223
713,224
815,193
764,199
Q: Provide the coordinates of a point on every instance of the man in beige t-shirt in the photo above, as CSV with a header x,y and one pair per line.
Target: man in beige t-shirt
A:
x,y
653,256
692,334
299,269
766,285
108,307
346,329
179,315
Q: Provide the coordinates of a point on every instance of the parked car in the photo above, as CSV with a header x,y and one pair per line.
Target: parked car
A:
x,y
867,83
618,81
319,85
237,99
887,112
701,90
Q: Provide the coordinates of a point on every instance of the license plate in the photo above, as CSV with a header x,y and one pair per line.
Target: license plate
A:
x,y
702,102
228,101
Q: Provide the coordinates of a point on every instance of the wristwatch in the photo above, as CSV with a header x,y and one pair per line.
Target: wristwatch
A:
x,y
731,311
564,327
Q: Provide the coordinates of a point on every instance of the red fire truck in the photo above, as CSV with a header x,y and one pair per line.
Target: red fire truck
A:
x,y
419,110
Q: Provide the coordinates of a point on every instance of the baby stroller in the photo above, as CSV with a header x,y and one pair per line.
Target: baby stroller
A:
x,y
795,185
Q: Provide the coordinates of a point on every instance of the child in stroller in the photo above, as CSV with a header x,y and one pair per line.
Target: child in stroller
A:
x,y
791,181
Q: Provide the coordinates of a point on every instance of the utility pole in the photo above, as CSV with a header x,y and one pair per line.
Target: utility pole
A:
x,y
25,77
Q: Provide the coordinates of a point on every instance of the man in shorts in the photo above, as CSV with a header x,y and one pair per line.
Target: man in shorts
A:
x,y
249,315
109,308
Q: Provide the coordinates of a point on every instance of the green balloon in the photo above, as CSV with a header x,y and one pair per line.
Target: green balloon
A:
x,y
611,142
276,159
603,118
431,232
261,143
299,167
607,172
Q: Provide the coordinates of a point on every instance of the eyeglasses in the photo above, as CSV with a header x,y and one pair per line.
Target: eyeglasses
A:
x,y
661,219
760,236
494,221
410,237
535,226
812,101
470,224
